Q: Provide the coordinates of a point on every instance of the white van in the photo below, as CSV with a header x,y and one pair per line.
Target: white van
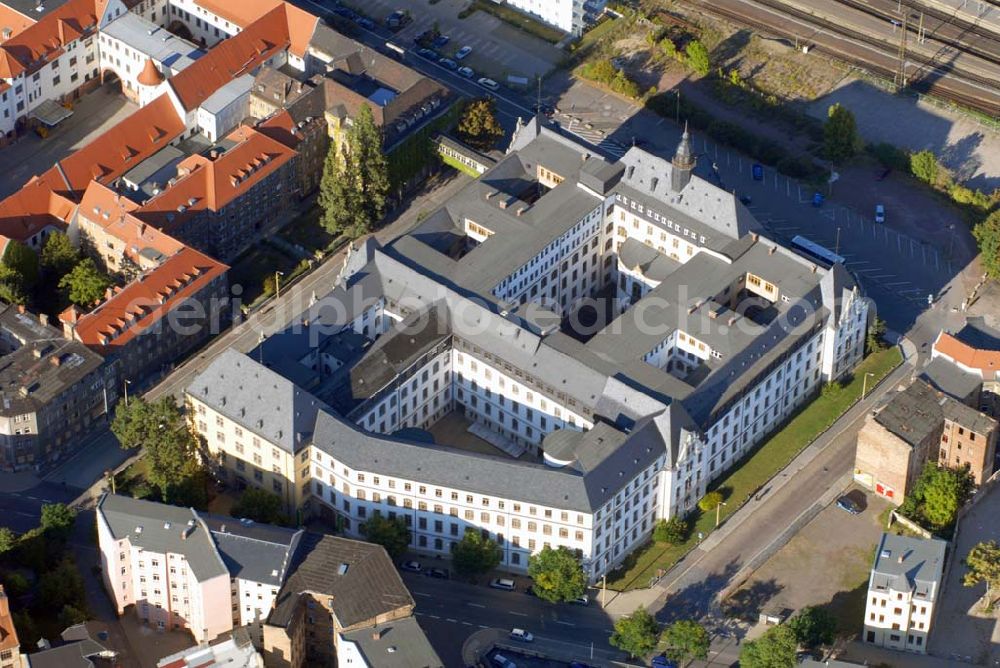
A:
x,y
503,583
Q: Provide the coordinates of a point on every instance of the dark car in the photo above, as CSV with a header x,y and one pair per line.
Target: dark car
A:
x,y
429,54
662,661
448,64
440,41
365,22
544,109
345,12
439,573
853,502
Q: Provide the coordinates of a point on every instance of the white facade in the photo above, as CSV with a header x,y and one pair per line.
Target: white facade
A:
x,y
568,15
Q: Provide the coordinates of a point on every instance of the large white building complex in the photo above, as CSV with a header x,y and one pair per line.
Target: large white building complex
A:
x,y
572,16
565,352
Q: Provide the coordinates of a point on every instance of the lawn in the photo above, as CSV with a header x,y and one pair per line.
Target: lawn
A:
x,y
757,468
306,231
460,166
520,21
255,266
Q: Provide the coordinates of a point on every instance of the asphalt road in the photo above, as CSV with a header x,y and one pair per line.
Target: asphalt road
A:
x,y
450,611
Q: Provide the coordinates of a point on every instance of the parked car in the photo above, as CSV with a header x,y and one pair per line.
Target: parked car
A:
x,y
448,64
582,600
365,22
500,661
463,52
346,12
440,41
466,72
429,54
486,82
851,503
544,109
397,19
439,573
410,566
662,661
503,583
522,635
879,213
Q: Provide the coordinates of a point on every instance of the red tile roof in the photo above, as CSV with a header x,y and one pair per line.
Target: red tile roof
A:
x,y
212,184
232,58
45,39
987,361
142,303
301,23
122,147
32,208
8,634
113,212
281,127
16,21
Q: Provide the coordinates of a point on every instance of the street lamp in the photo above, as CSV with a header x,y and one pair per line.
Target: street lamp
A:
x,y
127,383
277,284
864,384
951,241
718,512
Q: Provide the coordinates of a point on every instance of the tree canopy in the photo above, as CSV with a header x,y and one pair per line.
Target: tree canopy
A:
x,y
557,574
636,634
259,505
937,495
671,531
983,565
57,519
85,284
840,134
18,272
59,255
392,534
814,626
355,186
686,640
987,234
698,58
924,166
710,501
159,427
474,554
774,649
479,126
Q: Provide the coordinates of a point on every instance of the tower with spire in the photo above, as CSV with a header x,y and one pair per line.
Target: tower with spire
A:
x,y
683,162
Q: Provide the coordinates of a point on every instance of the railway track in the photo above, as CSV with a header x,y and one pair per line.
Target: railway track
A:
x,y
924,75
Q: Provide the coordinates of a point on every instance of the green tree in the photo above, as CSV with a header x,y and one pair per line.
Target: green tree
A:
x,y
8,540
11,286
983,565
23,260
876,330
57,519
937,495
698,58
27,629
636,634
685,640
774,649
814,626
474,554
924,166
392,534
987,235
355,183
557,574
710,501
16,584
158,427
258,505
479,126
63,585
671,531
840,134
85,284
71,616
59,255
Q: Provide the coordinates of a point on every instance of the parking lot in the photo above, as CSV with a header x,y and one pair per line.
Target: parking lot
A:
x,y
498,49
813,570
93,114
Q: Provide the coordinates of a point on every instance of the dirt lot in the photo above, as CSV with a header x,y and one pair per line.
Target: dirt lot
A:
x,y
827,563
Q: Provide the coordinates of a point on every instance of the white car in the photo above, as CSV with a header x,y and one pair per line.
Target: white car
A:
x,y
488,83
410,566
879,213
467,72
463,52
522,635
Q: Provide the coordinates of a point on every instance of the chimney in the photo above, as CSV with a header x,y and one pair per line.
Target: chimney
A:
x,y
43,318
770,251
899,559
36,352
20,308
56,360
376,633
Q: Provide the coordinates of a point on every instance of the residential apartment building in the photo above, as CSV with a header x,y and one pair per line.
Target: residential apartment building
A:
x,y
919,425
903,590
300,596
462,324
10,646
975,349
571,16
53,391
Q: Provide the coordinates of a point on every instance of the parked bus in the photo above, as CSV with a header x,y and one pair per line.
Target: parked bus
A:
x,y
816,252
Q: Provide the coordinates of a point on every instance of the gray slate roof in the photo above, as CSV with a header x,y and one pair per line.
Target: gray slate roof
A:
x,y
370,586
909,564
257,399
161,530
918,411
253,551
401,644
951,379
